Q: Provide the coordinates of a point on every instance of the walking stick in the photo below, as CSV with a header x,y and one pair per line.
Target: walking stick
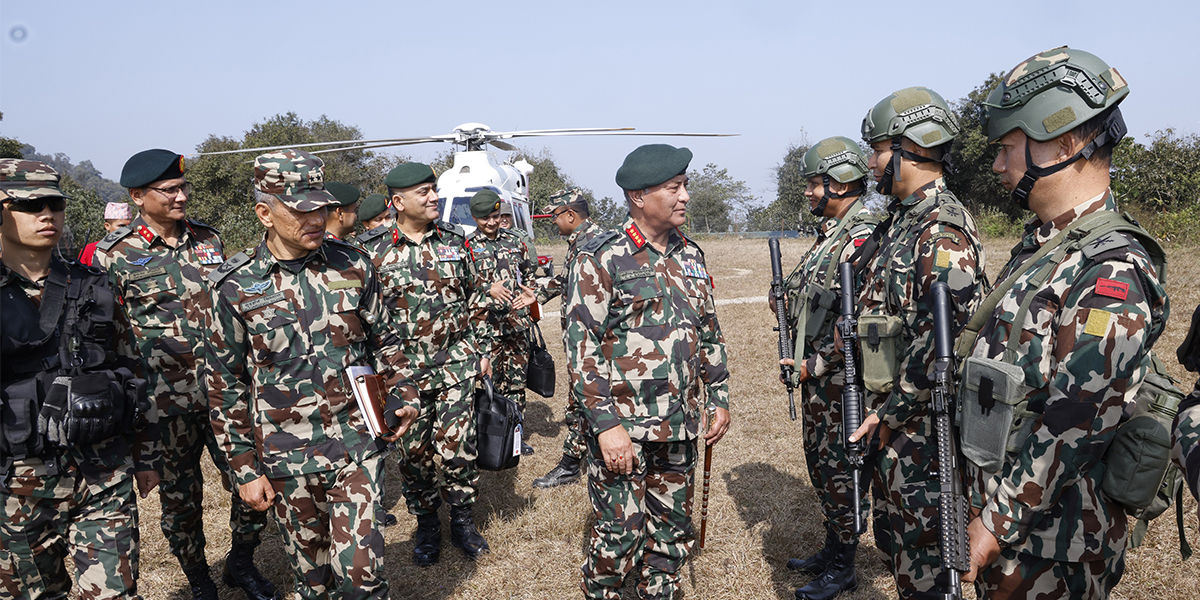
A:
x,y
704,497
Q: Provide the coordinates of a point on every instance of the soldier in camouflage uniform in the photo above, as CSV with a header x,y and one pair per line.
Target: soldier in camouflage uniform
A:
x,y
570,211
1185,436
928,236
648,364
64,492
342,215
440,314
836,170
158,266
1087,317
288,318
506,222
504,266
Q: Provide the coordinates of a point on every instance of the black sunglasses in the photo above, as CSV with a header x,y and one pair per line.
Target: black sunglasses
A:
x,y
56,204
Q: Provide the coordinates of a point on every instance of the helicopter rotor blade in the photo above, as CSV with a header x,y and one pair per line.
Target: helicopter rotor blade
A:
x,y
642,133
392,141
528,132
503,145
371,146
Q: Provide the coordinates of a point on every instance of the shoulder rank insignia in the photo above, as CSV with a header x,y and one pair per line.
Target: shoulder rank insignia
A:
x,y
220,273
111,239
635,235
599,241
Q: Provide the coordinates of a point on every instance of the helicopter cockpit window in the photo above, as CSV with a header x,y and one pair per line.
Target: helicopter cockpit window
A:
x,y
460,210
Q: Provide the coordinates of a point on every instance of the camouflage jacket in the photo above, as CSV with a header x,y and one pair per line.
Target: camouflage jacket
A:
x,y
1081,345
642,336
281,341
504,258
1185,440
351,241
823,355
165,295
144,445
437,309
554,287
931,238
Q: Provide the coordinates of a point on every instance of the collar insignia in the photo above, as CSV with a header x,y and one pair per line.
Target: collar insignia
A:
x,y
635,234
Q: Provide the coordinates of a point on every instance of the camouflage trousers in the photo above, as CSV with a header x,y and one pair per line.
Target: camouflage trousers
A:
x,y
575,445
331,531
181,492
905,511
824,451
48,517
510,359
643,520
444,429
1019,575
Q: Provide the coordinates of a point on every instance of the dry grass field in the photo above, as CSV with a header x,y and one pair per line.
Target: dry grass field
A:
x,y
762,509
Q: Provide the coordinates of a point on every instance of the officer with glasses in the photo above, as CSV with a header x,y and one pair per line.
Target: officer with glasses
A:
x,y
159,265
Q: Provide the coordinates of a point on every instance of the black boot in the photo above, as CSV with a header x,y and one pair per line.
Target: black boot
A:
x,y
241,573
201,582
429,540
567,471
814,565
463,533
838,577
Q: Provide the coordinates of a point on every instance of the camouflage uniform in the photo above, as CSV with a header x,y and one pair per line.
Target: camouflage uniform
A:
x,y
352,241
282,336
506,258
1088,326
647,354
440,316
78,500
1185,441
165,295
824,439
931,238
575,445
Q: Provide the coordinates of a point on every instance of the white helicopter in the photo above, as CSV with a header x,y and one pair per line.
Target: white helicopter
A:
x,y
475,167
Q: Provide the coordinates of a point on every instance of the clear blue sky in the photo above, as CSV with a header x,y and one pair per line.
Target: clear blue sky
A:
x,y
103,80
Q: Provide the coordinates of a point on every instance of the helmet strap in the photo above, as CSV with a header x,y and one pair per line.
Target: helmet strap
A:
x,y
1114,130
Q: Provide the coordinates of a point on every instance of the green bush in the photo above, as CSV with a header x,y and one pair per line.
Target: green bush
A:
x,y
995,223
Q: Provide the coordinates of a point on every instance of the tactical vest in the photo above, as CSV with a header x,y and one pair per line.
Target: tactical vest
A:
x,y
59,354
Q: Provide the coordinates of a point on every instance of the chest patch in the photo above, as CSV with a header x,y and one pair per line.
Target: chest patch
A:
x,y
141,262
448,254
391,267
693,268
345,283
1097,323
257,288
148,274
635,274
208,254
261,302
1112,289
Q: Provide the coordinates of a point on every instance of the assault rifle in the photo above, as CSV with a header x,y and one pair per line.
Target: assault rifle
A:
x,y
785,340
952,509
852,391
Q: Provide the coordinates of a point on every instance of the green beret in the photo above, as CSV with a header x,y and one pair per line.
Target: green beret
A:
x,y
149,166
410,174
484,203
345,193
651,165
372,206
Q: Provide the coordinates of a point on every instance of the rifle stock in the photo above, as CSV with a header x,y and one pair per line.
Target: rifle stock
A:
x,y
852,391
785,341
952,510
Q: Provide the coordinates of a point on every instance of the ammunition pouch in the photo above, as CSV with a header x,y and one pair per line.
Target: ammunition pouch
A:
x,y
820,310
879,340
1138,473
92,407
19,409
994,416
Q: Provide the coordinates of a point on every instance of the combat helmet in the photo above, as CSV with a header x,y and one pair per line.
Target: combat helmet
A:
x,y
917,113
839,158
1052,93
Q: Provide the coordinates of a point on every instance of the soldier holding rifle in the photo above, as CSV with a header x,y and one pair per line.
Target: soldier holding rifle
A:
x,y
836,172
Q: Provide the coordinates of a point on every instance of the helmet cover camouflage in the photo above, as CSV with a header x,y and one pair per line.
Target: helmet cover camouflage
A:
x,y
1050,93
564,197
839,157
917,113
296,177
28,180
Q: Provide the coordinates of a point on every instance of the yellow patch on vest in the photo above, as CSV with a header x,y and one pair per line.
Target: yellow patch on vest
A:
x,y
345,283
943,259
1097,323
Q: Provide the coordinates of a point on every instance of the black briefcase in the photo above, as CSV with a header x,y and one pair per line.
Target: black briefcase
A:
x,y
497,429
539,373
